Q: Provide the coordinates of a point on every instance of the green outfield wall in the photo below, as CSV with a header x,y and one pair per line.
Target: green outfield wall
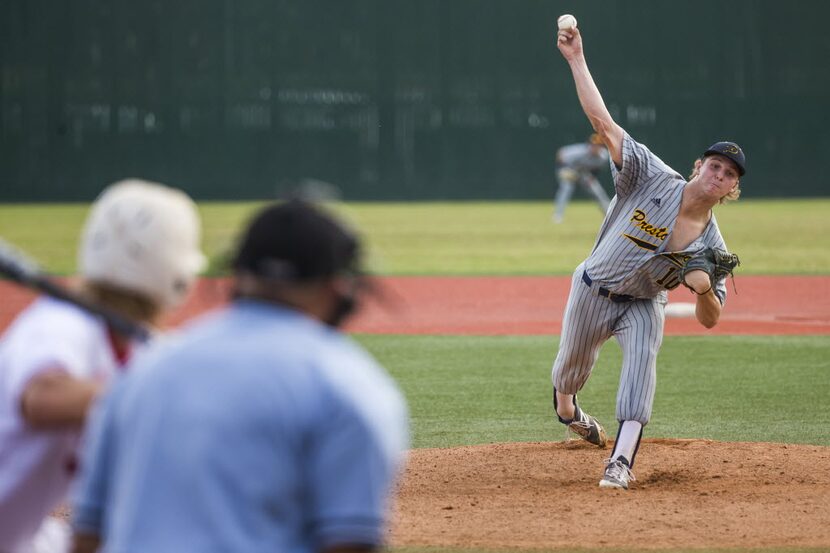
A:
x,y
396,99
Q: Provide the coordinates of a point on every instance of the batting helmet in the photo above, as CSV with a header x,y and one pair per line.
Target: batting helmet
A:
x,y
143,237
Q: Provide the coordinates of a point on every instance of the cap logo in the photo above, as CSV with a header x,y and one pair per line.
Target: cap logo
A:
x,y
731,149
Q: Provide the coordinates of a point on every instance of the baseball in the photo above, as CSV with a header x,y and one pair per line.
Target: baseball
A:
x,y
566,21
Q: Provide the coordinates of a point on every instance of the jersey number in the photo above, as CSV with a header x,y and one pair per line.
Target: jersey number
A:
x,y
670,280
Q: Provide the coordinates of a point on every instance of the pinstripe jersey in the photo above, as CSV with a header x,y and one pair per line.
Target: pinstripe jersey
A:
x,y
629,255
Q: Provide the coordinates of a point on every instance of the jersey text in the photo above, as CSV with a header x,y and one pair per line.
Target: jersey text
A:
x,y
639,218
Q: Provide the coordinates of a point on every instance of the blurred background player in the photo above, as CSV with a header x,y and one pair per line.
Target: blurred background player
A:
x,y
579,164
138,255
262,427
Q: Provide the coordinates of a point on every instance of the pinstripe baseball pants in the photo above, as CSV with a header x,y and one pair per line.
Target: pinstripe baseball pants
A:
x,y
589,321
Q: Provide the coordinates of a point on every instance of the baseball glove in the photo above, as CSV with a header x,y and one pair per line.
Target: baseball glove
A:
x,y
718,264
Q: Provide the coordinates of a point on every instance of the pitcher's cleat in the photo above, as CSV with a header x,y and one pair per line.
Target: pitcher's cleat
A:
x,y
617,474
588,428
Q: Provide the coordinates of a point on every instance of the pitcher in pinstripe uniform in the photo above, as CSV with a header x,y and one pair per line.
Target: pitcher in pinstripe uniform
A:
x,y
655,222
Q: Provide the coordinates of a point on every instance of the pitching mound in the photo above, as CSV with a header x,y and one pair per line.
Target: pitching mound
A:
x,y
688,493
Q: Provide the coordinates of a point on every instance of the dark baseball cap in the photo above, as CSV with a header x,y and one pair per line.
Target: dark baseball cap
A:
x,y
730,150
297,241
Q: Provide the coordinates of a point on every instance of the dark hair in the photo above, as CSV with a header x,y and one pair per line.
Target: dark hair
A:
x,y
296,241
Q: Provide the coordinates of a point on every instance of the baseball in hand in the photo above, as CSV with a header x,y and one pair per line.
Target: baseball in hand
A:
x,y
566,22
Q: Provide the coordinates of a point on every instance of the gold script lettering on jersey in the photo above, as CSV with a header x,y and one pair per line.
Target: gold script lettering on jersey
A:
x,y
641,222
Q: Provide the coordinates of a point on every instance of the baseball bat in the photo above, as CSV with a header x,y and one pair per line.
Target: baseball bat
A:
x,y
19,268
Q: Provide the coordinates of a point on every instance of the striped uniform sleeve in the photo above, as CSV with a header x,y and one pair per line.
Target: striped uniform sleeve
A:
x,y
639,165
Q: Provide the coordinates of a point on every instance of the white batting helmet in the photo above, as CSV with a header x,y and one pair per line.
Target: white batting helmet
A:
x,y
143,236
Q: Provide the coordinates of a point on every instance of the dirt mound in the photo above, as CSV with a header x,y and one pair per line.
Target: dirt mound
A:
x,y
688,493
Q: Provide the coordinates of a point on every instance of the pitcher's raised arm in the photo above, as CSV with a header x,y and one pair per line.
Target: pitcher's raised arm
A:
x,y
569,42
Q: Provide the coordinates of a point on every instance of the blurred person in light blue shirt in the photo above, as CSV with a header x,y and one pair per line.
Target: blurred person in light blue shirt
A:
x,y
256,428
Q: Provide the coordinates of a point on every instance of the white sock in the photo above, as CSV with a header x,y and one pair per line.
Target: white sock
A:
x,y
627,441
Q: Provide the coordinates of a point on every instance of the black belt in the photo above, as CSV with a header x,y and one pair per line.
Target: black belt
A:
x,y
605,292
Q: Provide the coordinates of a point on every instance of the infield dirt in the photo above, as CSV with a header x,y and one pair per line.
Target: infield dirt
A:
x,y
528,305
688,494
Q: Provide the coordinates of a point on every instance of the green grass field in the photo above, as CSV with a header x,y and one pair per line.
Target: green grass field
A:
x,y
465,390
468,238
472,390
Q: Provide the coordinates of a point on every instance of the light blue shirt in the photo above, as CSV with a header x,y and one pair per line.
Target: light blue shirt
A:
x,y
255,429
